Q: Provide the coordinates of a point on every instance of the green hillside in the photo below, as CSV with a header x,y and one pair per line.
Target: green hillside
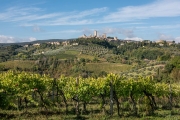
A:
x,y
72,79
90,57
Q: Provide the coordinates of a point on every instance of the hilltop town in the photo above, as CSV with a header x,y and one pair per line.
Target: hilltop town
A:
x,y
104,37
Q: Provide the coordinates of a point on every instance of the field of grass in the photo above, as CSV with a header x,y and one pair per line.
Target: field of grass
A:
x,y
23,64
93,113
65,54
108,67
90,57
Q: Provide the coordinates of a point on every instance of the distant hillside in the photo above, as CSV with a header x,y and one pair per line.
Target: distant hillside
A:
x,y
37,41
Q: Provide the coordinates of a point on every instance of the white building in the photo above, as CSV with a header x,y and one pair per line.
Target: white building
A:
x,y
54,43
65,43
115,38
36,44
95,33
26,45
75,44
104,35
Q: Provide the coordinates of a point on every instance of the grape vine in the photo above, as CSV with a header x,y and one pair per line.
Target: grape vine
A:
x,y
21,90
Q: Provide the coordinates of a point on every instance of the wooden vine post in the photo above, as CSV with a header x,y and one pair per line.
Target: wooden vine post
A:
x,y
77,99
111,98
170,95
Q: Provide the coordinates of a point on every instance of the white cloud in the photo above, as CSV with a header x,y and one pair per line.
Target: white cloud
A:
x,y
36,28
87,31
168,38
37,17
33,15
126,32
6,39
160,8
134,38
76,18
17,14
111,30
159,27
10,39
64,31
32,39
165,26
165,37
177,39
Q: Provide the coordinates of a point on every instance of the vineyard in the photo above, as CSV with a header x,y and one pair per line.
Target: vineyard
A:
x,y
111,95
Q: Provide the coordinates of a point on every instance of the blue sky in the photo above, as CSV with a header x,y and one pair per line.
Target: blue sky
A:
x,y
29,20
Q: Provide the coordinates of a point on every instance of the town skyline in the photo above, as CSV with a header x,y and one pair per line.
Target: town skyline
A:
x,y
25,21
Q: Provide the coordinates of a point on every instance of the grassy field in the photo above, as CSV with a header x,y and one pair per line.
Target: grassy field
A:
x,y
23,64
93,113
66,54
90,57
108,67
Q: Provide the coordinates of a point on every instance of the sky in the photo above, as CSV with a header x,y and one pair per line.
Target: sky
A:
x,y
29,20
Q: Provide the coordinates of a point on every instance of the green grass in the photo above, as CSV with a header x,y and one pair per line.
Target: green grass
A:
x,y
66,54
90,57
23,64
108,67
94,113
145,71
72,52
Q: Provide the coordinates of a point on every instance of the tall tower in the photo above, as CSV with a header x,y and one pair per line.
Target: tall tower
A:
x,y
95,33
104,35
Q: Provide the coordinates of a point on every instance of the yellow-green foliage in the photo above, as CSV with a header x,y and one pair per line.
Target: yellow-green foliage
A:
x,y
108,67
23,64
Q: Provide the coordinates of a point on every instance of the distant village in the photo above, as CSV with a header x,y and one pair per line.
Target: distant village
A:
x,y
96,35
103,37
